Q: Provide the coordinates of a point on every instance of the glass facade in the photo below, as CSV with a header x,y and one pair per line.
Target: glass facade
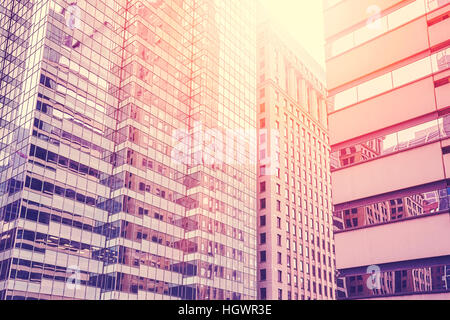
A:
x,y
411,278
433,201
116,182
389,152
394,79
414,136
386,22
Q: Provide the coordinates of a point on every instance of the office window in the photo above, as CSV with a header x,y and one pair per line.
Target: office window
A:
x,y
262,238
262,107
262,255
262,186
262,221
263,293
262,274
262,123
262,203
262,170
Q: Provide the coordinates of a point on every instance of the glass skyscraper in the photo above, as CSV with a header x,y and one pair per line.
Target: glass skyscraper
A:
x,y
126,170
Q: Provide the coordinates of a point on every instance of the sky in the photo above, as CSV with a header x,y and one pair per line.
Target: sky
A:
x,y
303,20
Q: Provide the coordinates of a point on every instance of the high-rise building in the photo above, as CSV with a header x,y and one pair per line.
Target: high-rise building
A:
x,y
295,226
388,80
125,167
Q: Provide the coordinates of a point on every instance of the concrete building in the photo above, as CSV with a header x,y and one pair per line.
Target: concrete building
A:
x,y
295,227
111,182
388,80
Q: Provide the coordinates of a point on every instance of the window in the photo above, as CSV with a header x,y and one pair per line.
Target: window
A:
x,y
262,256
280,294
263,293
280,276
262,238
262,221
262,123
262,107
262,274
262,186
279,258
262,170
262,203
